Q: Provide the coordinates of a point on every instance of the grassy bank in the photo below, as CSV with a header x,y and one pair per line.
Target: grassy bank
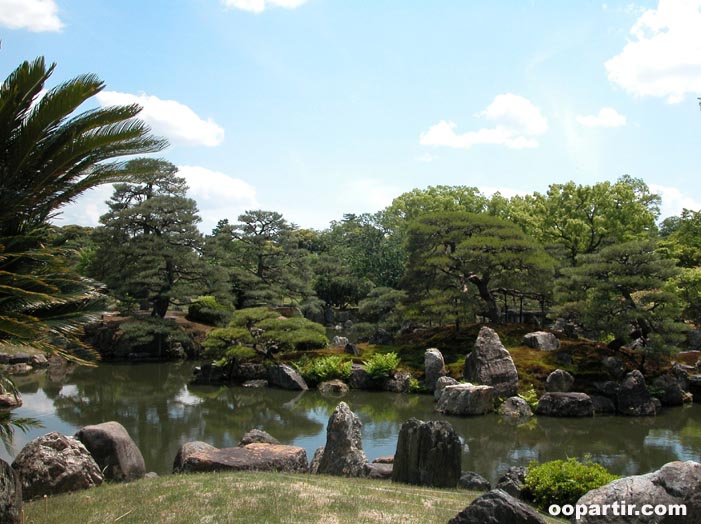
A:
x,y
249,497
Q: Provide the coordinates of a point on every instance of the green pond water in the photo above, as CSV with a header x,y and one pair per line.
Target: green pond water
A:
x,y
161,411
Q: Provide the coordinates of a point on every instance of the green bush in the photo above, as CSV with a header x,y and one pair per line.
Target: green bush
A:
x,y
381,366
288,334
318,370
156,337
207,310
251,316
530,395
564,481
220,340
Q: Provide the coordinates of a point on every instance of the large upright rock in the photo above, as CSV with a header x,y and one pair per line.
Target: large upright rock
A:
x,y
633,398
497,507
491,364
285,377
434,368
10,495
466,399
673,484
343,454
428,453
55,464
113,449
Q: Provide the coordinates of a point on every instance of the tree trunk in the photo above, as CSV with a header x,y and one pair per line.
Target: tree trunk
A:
x,y
160,307
492,311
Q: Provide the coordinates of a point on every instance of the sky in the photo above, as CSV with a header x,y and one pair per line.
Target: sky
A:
x,y
316,108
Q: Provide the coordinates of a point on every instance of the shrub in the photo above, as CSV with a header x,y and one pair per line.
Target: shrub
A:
x,y
289,334
381,366
564,481
154,336
530,395
208,311
251,316
321,369
220,340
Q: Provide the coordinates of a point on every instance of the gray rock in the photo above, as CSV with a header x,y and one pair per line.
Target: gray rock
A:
x,y
316,459
428,453
673,387
474,482
334,388
257,435
441,384
339,341
515,407
434,368
497,507
674,483
565,405
20,358
343,453
285,377
512,482
466,399
255,384
603,405
633,398
113,449
376,470
360,379
10,495
39,361
253,457
8,399
188,449
398,383
54,464
559,381
543,340
489,363
351,349
614,366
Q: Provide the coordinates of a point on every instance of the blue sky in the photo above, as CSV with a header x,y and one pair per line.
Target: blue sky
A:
x,y
322,107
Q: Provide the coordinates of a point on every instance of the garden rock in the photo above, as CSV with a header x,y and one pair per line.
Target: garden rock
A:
x,y
515,407
398,383
434,368
343,453
316,459
10,495
428,454
339,341
333,387
565,405
53,464
379,471
542,340
559,381
603,405
253,457
489,363
441,384
259,436
113,449
633,398
188,449
285,377
673,387
614,366
512,482
674,483
497,507
9,400
473,481
360,379
466,399
351,349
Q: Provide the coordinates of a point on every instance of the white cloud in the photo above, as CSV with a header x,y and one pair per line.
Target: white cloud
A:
x,y
426,158
217,195
663,58
606,117
33,15
517,121
169,118
674,201
258,6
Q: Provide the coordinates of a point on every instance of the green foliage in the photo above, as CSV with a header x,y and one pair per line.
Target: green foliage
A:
x,y
564,481
381,366
316,370
208,311
220,341
240,353
287,334
249,317
682,238
379,304
155,336
687,286
530,395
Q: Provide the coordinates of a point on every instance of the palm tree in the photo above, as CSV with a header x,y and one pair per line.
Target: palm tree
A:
x,y
48,157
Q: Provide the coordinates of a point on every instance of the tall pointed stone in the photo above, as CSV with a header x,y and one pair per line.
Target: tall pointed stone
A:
x,y
490,363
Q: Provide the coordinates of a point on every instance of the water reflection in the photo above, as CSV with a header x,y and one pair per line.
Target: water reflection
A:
x,y
160,411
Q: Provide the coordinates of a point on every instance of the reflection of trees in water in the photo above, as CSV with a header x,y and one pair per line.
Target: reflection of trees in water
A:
x,y
161,412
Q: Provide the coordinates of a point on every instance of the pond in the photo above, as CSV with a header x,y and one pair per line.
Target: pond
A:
x,y
161,411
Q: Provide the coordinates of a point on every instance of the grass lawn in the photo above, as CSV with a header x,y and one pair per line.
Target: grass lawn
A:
x,y
251,498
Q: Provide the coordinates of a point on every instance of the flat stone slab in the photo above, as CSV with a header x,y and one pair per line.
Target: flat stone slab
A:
x,y
253,457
